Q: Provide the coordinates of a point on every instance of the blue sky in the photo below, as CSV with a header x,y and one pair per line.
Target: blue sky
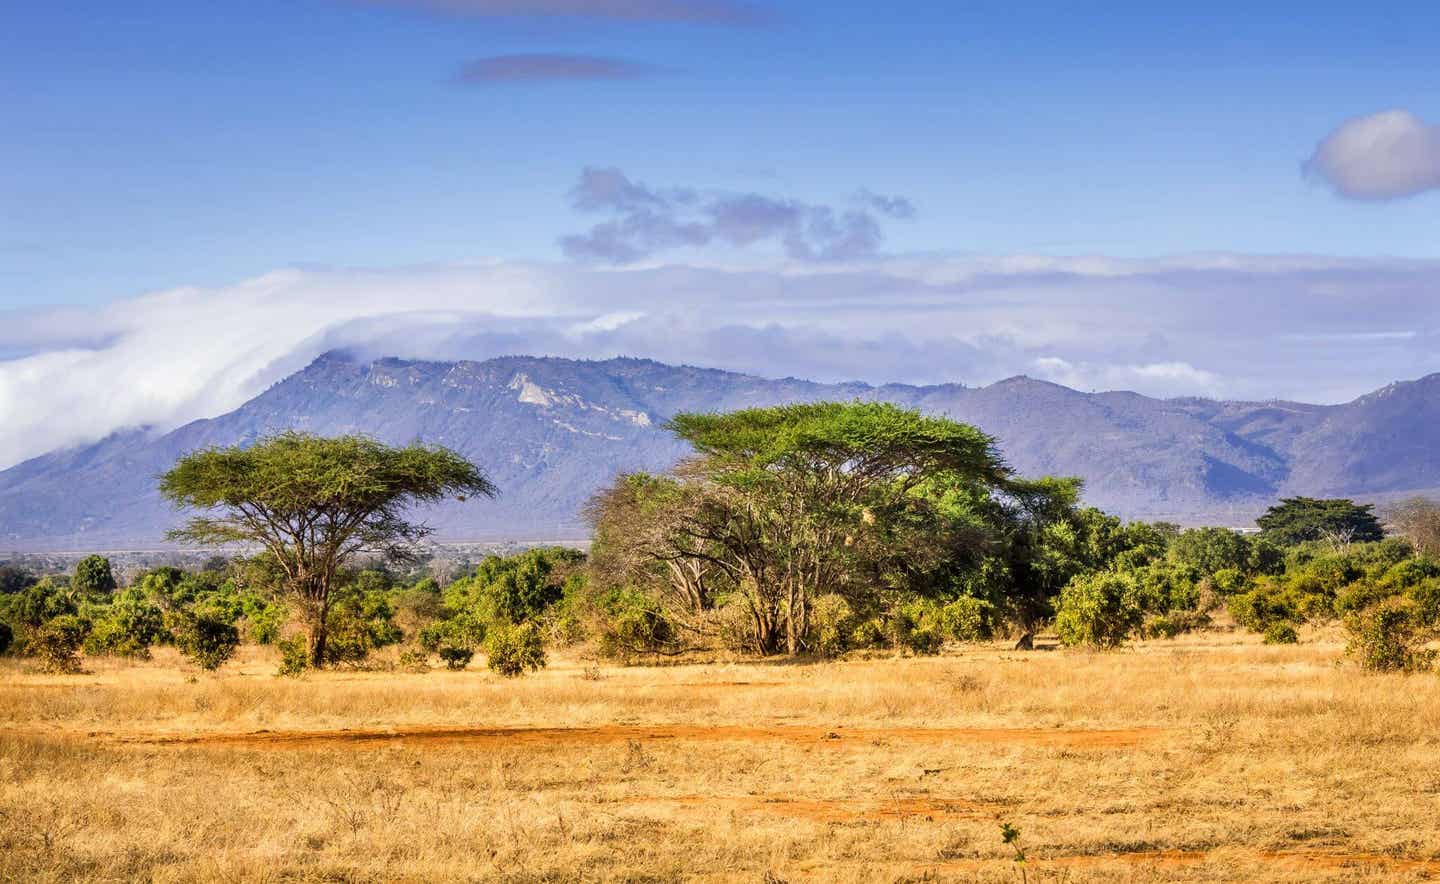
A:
x,y
167,143
1223,199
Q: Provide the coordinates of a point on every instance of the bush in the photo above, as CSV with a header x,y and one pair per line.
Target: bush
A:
x,y
127,627
1281,633
1173,623
7,635
868,634
57,642
416,660
1388,637
1100,610
634,632
831,621
204,637
511,650
456,658
917,626
294,658
968,619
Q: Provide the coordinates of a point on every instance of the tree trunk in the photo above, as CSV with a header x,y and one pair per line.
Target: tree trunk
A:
x,y
317,643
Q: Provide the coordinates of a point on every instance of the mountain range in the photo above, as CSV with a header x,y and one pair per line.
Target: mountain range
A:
x,y
551,431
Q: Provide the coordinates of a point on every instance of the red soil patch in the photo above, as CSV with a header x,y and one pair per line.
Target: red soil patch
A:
x,y
602,734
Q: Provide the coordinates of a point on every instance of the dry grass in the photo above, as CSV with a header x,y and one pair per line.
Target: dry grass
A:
x,y
1210,758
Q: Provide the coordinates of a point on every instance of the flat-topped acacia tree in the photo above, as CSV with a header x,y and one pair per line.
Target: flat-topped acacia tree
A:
x,y
314,503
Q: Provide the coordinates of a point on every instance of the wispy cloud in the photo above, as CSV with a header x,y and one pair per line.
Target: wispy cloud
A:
x,y
706,12
1237,326
499,69
647,220
1382,156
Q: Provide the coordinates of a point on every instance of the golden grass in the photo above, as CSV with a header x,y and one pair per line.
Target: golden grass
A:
x,y
1208,758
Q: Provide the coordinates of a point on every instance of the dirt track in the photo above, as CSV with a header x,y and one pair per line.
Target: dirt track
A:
x,y
570,736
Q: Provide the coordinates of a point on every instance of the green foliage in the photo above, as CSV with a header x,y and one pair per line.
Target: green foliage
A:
x,y
57,642
1389,636
1281,633
968,619
14,579
360,620
127,627
511,650
1173,623
831,622
1211,550
1301,519
203,636
41,602
1100,610
456,658
313,503
515,589
918,626
7,636
93,577
294,658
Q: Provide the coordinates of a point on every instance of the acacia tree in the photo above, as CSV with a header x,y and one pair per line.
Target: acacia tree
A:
x,y
1299,519
782,504
314,503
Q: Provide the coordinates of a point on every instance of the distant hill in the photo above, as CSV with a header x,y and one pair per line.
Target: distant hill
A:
x,y
550,431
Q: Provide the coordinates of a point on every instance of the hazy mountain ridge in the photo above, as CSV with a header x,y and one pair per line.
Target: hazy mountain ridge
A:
x,y
550,431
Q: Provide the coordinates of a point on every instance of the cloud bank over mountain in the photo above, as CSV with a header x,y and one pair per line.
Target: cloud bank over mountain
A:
x,y
1221,325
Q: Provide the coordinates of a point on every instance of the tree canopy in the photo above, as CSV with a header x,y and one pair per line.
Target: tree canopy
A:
x,y
1298,519
781,505
313,503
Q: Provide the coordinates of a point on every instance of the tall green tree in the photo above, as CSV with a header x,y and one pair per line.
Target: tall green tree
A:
x,y
315,503
1299,519
93,577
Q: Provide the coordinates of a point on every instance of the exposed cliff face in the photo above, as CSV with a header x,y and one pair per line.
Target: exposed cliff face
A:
x,y
550,431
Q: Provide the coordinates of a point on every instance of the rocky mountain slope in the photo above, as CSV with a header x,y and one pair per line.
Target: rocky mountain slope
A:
x,y
550,431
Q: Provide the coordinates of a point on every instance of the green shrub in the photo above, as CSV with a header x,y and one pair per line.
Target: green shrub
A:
x,y
511,650
294,657
868,634
831,621
1100,610
264,620
1228,581
634,632
416,660
968,619
917,626
127,627
456,658
93,577
1281,633
7,636
1388,637
57,643
1426,597
204,637
1410,572
1173,623
360,620
1360,595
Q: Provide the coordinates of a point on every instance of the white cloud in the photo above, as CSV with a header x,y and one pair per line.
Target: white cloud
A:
x,y
1381,156
1223,325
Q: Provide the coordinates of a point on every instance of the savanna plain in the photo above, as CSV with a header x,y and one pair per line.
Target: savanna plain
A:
x,y
1202,758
